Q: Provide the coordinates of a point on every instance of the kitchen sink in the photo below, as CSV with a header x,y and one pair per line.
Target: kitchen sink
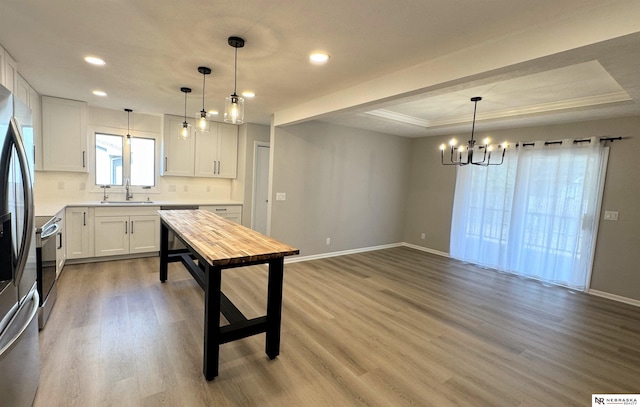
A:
x,y
126,202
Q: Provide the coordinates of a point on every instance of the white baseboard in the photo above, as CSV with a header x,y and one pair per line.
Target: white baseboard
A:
x,y
362,250
614,297
426,249
340,253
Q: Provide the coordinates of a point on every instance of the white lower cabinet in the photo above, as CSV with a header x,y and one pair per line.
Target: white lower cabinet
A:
x,y
79,230
230,212
123,230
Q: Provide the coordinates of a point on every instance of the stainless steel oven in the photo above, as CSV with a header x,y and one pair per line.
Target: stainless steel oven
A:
x,y
47,232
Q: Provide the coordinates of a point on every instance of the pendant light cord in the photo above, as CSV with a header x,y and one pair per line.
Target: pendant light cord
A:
x,y
235,72
473,124
185,107
203,84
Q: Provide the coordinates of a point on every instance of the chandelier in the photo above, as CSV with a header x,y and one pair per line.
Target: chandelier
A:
x,y
461,155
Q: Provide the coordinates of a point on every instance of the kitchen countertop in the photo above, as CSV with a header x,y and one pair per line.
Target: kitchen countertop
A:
x,y
221,242
52,208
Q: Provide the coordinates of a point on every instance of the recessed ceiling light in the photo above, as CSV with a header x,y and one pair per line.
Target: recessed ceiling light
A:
x,y
95,60
248,94
99,93
319,58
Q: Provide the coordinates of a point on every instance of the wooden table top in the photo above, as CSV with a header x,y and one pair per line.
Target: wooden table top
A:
x,y
222,242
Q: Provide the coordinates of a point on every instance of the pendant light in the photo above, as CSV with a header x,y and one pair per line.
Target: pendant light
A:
x,y
128,135
234,105
202,116
184,131
462,156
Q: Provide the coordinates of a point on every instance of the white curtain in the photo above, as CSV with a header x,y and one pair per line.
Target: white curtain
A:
x,y
535,215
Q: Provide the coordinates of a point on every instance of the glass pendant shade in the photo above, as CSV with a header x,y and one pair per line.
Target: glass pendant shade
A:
x,y
202,117
234,105
234,109
202,121
184,131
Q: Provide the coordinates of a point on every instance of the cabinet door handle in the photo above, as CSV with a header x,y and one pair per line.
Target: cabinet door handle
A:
x,y
131,227
84,219
60,244
166,164
126,227
83,161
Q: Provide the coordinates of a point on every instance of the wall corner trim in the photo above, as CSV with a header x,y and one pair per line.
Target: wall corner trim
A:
x,y
614,297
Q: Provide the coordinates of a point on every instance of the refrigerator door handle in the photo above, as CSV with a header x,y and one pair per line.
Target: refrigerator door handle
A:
x,y
21,258
35,298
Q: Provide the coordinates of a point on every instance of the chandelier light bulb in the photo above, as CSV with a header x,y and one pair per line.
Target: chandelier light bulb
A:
x,y
443,147
453,142
487,141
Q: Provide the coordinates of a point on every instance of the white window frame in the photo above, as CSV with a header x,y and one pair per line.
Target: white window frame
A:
x,y
120,189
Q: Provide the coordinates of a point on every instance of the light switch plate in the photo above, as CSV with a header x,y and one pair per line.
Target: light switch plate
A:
x,y
281,196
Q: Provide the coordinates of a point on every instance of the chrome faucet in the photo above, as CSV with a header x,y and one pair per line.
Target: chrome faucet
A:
x,y
104,194
129,194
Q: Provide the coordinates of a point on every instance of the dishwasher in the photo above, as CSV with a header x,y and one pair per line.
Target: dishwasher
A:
x,y
174,242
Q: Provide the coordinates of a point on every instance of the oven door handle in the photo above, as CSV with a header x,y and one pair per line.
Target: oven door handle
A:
x,y
52,230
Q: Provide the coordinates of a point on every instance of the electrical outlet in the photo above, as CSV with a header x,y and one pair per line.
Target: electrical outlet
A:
x,y
208,188
423,236
186,188
82,186
61,185
610,215
172,188
328,241
282,196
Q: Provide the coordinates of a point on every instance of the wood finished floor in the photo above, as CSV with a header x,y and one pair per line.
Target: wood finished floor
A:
x,y
395,327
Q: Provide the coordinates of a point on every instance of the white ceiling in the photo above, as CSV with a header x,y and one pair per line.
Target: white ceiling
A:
x,y
153,47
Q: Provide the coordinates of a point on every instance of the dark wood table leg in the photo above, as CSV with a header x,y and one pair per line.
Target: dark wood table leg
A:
x,y
274,307
164,251
213,276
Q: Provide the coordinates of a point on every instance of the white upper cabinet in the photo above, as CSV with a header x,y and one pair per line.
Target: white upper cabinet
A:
x,y
177,152
213,154
23,90
8,70
36,108
217,151
64,135
227,150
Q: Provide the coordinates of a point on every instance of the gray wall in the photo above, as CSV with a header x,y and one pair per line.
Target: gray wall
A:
x,y
341,183
617,255
242,186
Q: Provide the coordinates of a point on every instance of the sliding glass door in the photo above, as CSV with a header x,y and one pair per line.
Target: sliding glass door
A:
x,y
536,215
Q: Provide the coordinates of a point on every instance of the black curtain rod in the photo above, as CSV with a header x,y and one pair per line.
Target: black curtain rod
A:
x,y
586,140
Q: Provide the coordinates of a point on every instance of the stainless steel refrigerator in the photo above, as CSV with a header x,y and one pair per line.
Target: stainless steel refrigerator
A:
x,y
19,349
